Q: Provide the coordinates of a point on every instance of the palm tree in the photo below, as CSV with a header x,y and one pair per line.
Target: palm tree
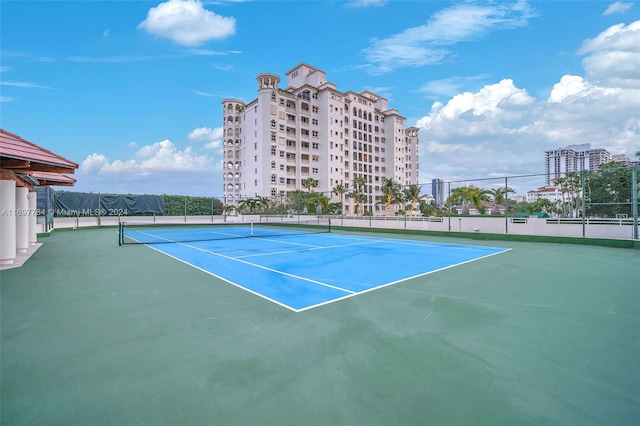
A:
x,y
296,199
358,199
248,204
465,195
498,196
571,185
229,208
391,194
309,183
339,190
638,155
262,203
359,183
413,195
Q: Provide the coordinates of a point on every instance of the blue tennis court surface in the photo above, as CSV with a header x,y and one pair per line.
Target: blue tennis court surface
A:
x,y
300,272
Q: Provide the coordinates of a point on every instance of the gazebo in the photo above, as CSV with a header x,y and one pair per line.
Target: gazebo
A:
x,y
23,166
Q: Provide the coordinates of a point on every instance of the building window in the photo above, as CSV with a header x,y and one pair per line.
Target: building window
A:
x,y
274,178
273,164
315,145
314,170
314,133
273,150
273,96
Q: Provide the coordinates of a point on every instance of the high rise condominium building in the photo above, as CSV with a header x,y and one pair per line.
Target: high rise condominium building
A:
x,y
309,129
573,158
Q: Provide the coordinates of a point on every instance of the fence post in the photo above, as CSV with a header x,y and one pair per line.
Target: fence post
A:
x,y
634,200
582,199
506,209
450,206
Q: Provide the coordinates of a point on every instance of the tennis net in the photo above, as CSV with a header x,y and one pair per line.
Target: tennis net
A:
x,y
158,233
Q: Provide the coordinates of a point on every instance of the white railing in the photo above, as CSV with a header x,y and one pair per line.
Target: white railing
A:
x,y
612,228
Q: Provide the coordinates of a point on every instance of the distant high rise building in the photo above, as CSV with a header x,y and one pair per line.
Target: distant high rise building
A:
x,y
437,190
573,158
309,129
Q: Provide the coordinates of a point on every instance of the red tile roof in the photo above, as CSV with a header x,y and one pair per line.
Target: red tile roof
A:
x,y
56,179
13,147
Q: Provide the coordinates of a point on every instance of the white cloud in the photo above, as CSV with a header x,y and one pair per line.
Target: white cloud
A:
x,y
450,86
160,156
187,22
211,137
617,7
205,94
504,127
161,167
614,56
24,85
428,43
366,3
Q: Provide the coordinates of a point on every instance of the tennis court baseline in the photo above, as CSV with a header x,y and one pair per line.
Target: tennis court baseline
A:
x,y
304,271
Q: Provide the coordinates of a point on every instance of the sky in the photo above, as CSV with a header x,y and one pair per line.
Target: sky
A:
x,y
132,90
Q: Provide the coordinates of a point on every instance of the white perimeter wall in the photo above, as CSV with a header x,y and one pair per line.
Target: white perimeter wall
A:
x,y
615,229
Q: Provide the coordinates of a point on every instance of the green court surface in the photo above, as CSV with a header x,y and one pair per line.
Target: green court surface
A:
x,y
96,334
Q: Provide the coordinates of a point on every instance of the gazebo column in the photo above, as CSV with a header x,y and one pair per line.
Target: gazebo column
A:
x,y
7,221
33,217
22,219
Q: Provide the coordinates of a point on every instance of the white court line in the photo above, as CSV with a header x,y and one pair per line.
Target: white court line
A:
x,y
267,269
416,243
367,240
399,281
169,240
307,249
255,293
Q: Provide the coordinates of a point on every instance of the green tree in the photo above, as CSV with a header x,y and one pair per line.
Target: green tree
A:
x,y
428,209
229,208
296,200
391,194
262,204
340,190
358,198
309,183
248,205
465,195
413,196
608,191
570,188
498,197
358,195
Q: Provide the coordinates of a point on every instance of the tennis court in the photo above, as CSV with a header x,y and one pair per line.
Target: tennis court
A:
x,y
542,333
299,267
